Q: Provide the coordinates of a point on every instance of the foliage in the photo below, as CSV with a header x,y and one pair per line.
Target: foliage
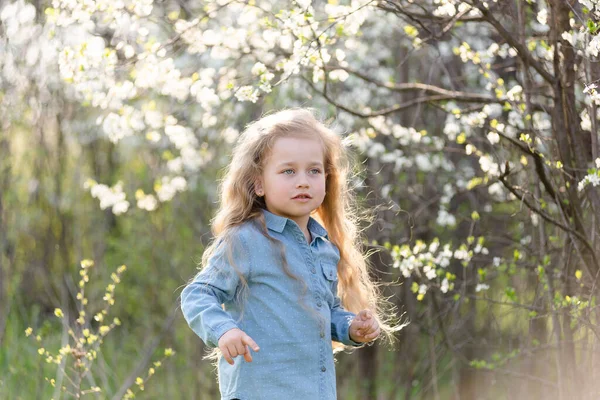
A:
x,y
476,122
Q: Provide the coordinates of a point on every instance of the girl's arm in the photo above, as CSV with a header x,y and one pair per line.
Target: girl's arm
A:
x,y
340,321
216,284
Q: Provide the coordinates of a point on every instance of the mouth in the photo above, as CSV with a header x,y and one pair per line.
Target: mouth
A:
x,y
302,196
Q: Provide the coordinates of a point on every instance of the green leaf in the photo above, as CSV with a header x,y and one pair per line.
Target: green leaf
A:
x,y
511,294
414,287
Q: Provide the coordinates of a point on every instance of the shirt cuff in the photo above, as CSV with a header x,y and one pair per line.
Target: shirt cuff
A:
x,y
346,335
220,331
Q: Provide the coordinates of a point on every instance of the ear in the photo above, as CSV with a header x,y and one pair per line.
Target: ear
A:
x,y
258,188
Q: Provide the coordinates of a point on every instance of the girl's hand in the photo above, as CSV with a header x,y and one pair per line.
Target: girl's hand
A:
x,y
364,327
235,343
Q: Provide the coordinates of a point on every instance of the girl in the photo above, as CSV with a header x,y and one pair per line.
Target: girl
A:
x,y
286,246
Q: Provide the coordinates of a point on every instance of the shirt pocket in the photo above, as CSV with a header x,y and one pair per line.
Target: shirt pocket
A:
x,y
329,271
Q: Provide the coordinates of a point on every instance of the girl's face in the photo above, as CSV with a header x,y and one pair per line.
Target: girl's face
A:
x,y
293,178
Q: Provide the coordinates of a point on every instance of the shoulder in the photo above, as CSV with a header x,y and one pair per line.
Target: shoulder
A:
x,y
333,247
245,231
246,234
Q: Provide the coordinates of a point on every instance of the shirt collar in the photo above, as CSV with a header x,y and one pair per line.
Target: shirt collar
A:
x,y
277,223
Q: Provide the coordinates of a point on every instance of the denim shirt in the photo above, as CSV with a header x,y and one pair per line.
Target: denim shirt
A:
x,y
295,360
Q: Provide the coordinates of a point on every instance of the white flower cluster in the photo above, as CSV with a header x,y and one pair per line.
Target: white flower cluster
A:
x,y
168,187
425,262
185,141
444,218
481,286
515,93
247,93
115,97
449,8
146,202
265,76
117,126
301,23
108,196
88,66
353,15
17,17
457,123
413,261
582,39
181,136
162,76
593,178
114,197
404,135
487,165
503,51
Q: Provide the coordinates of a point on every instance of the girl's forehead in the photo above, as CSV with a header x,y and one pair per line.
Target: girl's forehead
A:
x,y
297,148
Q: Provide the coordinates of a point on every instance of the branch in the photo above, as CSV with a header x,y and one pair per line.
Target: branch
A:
x,y
418,17
521,50
542,214
539,167
385,111
403,87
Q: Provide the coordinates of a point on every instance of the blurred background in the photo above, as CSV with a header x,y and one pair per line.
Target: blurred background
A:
x,y
474,127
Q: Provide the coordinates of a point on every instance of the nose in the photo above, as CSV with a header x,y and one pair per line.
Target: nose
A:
x,y
302,181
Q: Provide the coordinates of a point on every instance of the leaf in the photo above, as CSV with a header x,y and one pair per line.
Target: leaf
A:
x,y
511,294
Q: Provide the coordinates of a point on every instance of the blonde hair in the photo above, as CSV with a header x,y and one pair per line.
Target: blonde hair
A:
x,y
338,213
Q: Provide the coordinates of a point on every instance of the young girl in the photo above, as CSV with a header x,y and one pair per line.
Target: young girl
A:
x,y
286,246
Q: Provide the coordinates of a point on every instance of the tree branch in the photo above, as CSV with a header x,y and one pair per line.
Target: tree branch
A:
x,y
403,87
513,42
542,214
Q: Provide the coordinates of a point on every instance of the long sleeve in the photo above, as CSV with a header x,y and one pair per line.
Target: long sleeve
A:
x,y
340,322
215,285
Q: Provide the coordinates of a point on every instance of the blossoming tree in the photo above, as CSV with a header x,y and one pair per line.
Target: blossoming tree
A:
x,y
477,117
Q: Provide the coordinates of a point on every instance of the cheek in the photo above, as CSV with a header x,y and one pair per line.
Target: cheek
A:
x,y
321,183
278,183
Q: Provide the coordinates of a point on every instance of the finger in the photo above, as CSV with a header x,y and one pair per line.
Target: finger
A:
x,y
247,355
225,352
249,341
371,327
363,327
374,334
232,351
241,349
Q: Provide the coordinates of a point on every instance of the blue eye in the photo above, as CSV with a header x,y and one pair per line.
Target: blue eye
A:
x,y
318,171
287,170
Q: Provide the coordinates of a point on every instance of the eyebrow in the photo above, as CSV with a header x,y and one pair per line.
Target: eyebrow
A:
x,y
319,163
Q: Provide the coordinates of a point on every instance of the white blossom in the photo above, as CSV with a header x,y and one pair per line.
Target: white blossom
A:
x,y
444,218
481,287
445,286
109,196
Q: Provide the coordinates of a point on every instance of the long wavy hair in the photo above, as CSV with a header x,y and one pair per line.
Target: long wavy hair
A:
x,y
339,213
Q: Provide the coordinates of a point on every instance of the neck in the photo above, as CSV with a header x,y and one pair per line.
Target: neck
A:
x,y
302,223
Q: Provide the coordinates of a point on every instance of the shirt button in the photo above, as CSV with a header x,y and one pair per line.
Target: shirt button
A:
x,y
322,334
319,304
323,369
314,271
